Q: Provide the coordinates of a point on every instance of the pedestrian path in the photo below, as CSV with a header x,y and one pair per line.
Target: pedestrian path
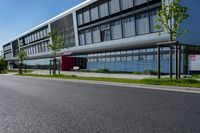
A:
x,y
103,75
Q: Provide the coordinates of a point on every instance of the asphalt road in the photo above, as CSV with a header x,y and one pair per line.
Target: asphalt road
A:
x,y
30,105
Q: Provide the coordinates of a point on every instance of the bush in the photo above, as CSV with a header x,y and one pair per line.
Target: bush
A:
x,y
137,73
150,72
3,66
102,71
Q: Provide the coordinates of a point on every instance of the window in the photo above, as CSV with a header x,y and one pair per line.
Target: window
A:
x,y
33,49
33,39
142,57
128,26
96,34
80,18
135,51
123,58
153,14
139,2
129,52
38,35
46,47
118,59
88,36
86,16
81,38
26,40
112,59
142,23
149,57
103,9
36,48
41,35
126,4
116,29
94,12
45,32
150,50
114,6
105,32
103,60
129,58
165,56
108,59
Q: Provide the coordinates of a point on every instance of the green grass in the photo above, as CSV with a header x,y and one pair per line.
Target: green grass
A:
x,y
153,81
17,71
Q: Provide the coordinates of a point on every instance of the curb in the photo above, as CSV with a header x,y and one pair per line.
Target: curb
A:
x,y
143,86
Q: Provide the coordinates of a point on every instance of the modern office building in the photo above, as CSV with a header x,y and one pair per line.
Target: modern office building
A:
x,y
118,35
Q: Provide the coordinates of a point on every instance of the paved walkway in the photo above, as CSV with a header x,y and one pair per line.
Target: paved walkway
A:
x,y
104,75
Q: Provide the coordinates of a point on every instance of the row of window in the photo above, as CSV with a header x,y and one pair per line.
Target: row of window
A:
x,y
129,52
38,62
142,23
38,35
104,8
37,48
129,58
8,55
7,47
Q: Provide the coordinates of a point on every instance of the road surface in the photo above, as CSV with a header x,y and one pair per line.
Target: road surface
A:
x,y
32,105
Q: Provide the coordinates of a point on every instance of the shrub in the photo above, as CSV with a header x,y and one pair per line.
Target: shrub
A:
x,y
150,72
137,73
102,71
3,66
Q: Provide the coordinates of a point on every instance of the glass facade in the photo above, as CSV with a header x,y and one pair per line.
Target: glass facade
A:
x,y
38,64
34,36
129,60
37,48
65,26
129,26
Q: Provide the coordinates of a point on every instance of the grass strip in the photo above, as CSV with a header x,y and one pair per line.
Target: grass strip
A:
x,y
186,82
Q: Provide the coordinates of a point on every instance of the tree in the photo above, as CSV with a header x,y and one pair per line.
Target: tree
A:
x,y
3,65
56,45
170,18
21,56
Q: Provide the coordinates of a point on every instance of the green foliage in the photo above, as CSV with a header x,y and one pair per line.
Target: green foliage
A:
x,y
170,17
102,71
137,73
146,72
3,66
21,56
150,72
57,41
196,76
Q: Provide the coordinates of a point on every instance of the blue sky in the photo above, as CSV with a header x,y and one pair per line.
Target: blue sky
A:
x,y
17,16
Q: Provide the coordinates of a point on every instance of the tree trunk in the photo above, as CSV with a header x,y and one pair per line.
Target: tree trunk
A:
x,y
20,68
54,66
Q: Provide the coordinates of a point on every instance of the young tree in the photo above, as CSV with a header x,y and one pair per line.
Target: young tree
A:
x,y
21,56
56,46
3,65
170,18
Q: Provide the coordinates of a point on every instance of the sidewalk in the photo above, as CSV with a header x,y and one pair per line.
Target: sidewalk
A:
x,y
102,75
